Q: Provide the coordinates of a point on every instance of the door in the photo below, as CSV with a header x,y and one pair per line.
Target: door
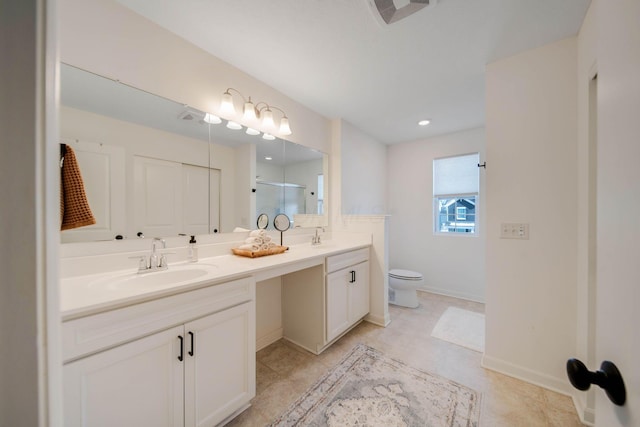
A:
x,y
195,196
135,384
359,292
219,365
157,196
102,167
338,302
618,230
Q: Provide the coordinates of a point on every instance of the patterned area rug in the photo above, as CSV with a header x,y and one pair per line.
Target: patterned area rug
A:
x,y
369,389
461,327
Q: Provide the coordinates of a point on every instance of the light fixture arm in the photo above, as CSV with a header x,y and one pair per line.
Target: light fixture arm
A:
x,y
226,92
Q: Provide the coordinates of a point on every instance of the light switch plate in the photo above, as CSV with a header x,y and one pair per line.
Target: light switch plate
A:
x,y
514,230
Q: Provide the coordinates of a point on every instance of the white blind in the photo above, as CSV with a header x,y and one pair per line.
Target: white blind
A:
x,y
456,175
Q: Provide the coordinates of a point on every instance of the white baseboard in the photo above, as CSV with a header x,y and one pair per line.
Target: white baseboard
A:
x,y
587,415
449,293
525,374
269,338
378,320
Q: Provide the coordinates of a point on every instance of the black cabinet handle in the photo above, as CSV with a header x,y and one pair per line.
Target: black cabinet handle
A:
x,y
608,377
353,276
181,356
193,348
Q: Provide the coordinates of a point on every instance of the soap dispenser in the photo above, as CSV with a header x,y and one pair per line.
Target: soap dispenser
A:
x,y
193,250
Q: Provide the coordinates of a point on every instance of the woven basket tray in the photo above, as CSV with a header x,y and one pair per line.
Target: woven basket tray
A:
x,y
255,254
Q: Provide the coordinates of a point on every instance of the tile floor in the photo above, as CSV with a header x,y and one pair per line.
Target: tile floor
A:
x,y
285,371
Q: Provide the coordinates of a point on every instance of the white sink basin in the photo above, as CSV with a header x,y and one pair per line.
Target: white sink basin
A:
x,y
159,279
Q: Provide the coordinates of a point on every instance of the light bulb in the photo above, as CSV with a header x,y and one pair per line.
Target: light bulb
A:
x,y
212,119
268,137
249,110
226,106
251,131
267,118
284,126
233,125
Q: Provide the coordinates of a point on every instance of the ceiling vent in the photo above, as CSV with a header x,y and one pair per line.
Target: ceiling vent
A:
x,y
190,115
391,11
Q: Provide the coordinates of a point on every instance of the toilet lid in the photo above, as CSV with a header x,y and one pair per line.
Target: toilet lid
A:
x,y
405,274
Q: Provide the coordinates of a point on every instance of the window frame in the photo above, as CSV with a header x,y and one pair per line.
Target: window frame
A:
x,y
436,204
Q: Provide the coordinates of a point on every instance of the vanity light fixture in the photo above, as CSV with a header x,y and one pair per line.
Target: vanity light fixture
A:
x,y
424,122
268,136
251,131
212,119
233,125
253,112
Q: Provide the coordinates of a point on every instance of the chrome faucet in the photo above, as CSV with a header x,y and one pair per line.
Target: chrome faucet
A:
x,y
315,240
155,262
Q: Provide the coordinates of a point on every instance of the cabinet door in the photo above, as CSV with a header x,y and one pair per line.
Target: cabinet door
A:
x,y
135,384
220,367
337,302
359,292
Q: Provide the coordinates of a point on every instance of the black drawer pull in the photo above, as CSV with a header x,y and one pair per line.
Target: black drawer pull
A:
x,y
181,356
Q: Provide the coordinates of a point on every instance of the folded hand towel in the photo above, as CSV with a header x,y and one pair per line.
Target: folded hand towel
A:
x,y
257,233
266,239
254,241
249,247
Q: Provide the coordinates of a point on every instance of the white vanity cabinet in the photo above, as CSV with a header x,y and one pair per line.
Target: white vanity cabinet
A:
x,y
188,359
320,304
347,291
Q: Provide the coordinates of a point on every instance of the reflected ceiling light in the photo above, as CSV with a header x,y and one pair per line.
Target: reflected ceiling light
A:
x,y
268,158
212,119
233,125
424,122
268,137
251,131
253,112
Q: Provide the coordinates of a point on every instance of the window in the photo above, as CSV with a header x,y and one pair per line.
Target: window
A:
x,y
455,194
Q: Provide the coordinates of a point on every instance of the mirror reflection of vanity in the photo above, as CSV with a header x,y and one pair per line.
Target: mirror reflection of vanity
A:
x,y
156,167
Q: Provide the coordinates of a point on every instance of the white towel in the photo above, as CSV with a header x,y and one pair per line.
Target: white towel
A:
x,y
266,239
254,240
257,233
249,247
266,246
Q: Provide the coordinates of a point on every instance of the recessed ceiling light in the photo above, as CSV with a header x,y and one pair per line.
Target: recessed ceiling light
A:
x,y
268,158
424,122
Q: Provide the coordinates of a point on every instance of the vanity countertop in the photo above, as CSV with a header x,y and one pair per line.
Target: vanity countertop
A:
x,y
85,295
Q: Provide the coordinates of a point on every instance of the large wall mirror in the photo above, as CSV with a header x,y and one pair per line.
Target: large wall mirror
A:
x,y
155,167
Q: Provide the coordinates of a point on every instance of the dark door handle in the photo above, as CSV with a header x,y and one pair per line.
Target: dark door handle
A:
x,y
193,349
353,276
181,356
608,378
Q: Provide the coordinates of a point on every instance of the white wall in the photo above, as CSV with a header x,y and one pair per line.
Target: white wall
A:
x,y
452,265
364,172
105,37
30,374
531,177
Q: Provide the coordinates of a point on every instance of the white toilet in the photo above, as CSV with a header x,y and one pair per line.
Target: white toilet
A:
x,y
402,287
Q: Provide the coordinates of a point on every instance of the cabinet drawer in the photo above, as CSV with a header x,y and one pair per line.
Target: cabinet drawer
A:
x,y
337,262
94,333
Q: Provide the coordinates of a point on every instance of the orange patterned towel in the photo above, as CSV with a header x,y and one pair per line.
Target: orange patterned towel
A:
x,y
74,207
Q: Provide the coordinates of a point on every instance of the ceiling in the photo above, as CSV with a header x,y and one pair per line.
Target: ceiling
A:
x,y
338,58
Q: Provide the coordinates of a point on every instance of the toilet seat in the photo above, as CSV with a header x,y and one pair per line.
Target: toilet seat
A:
x,y
405,274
